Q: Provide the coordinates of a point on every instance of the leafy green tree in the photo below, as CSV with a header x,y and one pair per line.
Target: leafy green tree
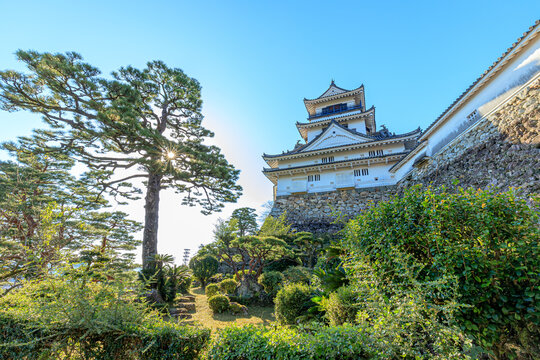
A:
x,y
255,252
273,226
204,267
246,221
48,216
143,124
309,247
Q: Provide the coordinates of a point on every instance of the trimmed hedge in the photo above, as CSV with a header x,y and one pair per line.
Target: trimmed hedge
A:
x,y
291,302
341,306
228,286
297,275
211,290
219,303
271,281
255,343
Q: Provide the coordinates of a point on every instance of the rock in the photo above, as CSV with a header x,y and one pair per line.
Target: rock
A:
x,y
238,309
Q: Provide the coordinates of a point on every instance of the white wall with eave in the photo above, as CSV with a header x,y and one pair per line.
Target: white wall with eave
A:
x,y
342,155
358,125
331,180
515,75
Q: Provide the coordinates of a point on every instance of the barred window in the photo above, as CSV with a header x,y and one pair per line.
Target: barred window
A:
x,y
316,177
327,159
361,172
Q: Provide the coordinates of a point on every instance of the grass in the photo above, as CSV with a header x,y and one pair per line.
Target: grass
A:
x,y
258,315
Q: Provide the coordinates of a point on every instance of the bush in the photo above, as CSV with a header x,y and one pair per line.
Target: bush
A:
x,y
211,290
297,275
228,286
292,301
271,281
219,303
59,319
204,267
486,242
341,306
184,285
254,343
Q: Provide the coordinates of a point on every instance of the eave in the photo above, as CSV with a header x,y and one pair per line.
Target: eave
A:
x,y
273,174
357,94
272,160
303,127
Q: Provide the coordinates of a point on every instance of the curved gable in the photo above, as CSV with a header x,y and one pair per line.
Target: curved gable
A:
x,y
335,135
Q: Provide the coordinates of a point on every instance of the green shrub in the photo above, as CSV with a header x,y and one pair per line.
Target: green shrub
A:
x,y
219,303
228,286
341,306
255,343
297,274
271,281
211,290
59,319
184,285
292,301
486,242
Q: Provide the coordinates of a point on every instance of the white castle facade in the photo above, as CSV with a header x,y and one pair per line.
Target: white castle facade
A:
x,y
343,148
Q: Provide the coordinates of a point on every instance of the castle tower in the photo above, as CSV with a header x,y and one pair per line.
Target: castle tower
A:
x,y
342,149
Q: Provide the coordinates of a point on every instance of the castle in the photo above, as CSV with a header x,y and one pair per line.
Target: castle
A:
x,y
342,150
488,137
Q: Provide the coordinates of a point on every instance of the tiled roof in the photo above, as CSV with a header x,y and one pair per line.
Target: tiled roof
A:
x,y
339,115
375,137
333,90
463,94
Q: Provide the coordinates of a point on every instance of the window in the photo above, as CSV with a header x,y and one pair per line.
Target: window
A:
x,y
334,108
375,152
314,178
361,172
327,159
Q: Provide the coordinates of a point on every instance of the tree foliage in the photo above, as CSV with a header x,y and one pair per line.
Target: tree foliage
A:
x,y
204,267
484,243
47,216
246,221
142,124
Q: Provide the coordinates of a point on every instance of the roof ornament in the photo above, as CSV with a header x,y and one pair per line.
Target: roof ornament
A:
x,y
384,132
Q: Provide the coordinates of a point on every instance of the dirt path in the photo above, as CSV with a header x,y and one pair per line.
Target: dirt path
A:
x,y
203,314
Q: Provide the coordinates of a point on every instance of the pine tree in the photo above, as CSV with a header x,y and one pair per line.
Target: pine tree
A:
x,y
142,124
49,217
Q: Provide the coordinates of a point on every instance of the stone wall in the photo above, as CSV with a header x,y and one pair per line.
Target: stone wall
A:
x,y
326,212
500,151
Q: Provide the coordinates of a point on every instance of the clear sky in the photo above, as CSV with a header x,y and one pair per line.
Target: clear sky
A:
x,y
257,60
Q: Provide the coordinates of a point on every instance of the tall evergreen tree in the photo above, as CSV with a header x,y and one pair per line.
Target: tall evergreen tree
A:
x,y
48,216
142,124
247,221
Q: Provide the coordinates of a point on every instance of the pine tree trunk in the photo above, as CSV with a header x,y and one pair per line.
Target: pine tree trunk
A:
x,y
151,210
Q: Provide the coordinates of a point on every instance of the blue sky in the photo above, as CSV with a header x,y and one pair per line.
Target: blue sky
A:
x,y
257,60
